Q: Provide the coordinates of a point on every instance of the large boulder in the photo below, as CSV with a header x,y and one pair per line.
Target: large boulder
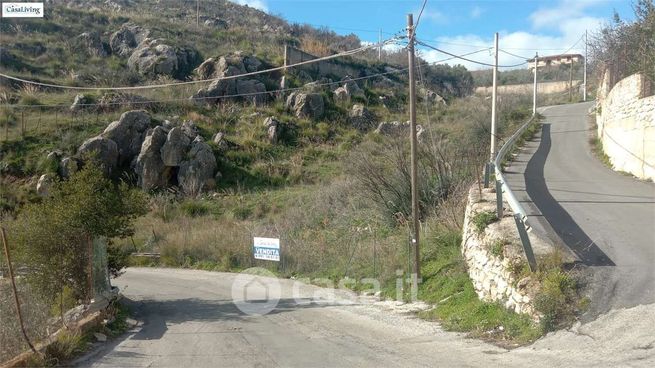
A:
x,y
90,42
306,105
173,151
197,173
252,90
104,152
128,133
361,118
153,57
125,40
150,168
228,66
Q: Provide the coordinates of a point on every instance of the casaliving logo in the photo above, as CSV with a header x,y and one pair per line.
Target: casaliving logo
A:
x,y
22,10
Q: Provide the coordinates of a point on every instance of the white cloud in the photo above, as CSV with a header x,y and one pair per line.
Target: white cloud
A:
x,y
555,29
476,12
257,4
431,15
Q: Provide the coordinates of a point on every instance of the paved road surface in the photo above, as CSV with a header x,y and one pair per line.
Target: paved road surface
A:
x,y
606,218
190,320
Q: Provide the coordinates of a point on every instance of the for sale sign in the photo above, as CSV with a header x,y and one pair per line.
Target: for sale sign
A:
x,y
267,249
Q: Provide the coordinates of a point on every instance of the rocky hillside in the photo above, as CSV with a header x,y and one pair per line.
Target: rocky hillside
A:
x,y
268,129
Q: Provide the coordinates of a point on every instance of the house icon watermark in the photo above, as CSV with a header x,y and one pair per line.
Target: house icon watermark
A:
x,y
256,291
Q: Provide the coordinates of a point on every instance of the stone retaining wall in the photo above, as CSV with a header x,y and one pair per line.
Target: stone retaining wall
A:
x,y
626,126
542,88
493,272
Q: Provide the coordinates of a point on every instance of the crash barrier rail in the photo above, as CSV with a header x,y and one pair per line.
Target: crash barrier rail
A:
x,y
503,189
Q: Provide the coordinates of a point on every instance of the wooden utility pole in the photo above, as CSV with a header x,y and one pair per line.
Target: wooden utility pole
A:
x,y
494,100
414,146
584,77
534,88
13,286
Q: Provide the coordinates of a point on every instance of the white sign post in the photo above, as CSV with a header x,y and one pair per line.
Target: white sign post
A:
x,y
267,249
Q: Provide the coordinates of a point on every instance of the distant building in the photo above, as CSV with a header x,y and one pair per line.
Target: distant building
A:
x,y
555,60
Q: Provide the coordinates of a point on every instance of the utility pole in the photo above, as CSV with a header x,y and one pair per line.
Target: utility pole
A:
x,y
494,99
414,144
197,13
584,77
534,88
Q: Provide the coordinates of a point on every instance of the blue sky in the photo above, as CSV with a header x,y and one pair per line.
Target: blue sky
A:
x,y
460,26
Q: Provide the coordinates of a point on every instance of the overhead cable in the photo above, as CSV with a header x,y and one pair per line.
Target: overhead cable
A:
x,y
155,86
466,59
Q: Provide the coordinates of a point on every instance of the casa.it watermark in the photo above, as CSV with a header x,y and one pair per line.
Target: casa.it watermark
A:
x,y
257,291
22,10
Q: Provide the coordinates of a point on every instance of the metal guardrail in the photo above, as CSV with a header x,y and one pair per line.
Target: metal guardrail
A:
x,y
503,189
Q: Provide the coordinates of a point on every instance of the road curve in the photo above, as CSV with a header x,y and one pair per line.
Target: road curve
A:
x,y
190,320
607,219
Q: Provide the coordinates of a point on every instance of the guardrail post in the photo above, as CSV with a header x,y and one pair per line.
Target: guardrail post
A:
x,y
499,199
525,241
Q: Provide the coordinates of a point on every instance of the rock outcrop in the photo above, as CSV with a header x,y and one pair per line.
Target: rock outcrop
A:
x,y
173,151
125,40
348,90
273,129
103,151
197,173
153,57
305,105
81,102
249,89
361,118
90,42
44,185
149,164
128,134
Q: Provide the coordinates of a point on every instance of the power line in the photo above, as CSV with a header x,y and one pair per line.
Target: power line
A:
x,y
210,97
576,42
345,53
418,20
515,55
466,59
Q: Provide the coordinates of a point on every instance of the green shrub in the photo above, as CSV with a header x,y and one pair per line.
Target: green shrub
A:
x,y
556,299
195,208
498,248
53,235
482,219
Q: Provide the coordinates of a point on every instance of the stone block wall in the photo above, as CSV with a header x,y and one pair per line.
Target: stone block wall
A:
x,y
493,271
626,126
542,88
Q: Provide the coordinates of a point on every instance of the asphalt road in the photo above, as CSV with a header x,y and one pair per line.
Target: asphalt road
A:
x,y
191,319
607,219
